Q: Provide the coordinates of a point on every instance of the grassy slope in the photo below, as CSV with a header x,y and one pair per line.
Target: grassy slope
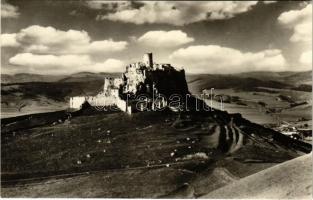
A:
x,y
249,81
140,140
289,180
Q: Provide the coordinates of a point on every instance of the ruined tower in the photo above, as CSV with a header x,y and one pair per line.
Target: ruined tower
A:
x,y
148,60
106,85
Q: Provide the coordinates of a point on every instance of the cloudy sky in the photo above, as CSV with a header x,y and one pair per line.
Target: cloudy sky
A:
x,y
64,37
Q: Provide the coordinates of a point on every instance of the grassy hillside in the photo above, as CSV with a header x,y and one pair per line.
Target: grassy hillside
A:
x,y
135,149
197,83
24,78
251,81
262,97
299,176
77,77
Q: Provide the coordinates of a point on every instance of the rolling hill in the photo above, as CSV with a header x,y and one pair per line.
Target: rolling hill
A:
x,y
77,77
250,81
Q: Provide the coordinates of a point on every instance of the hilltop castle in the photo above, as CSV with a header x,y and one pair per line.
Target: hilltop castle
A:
x,y
137,88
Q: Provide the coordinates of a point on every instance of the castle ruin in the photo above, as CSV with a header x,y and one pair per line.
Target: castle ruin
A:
x,y
141,79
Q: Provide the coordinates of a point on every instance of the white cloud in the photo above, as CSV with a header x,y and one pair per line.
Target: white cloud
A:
x,y
108,5
301,23
63,64
110,66
9,11
269,2
9,40
33,60
48,50
48,40
51,36
217,59
176,12
164,38
306,59
106,46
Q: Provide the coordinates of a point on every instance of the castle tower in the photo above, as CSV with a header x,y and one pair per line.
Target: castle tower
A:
x,y
148,60
106,85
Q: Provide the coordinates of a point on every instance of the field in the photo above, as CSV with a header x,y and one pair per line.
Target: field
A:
x,y
263,97
266,108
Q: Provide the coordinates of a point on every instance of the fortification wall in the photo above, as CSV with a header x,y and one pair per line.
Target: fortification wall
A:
x,y
77,102
121,104
134,77
147,59
99,100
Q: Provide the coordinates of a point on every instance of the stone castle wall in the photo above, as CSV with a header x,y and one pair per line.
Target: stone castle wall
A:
x,y
99,101
77,102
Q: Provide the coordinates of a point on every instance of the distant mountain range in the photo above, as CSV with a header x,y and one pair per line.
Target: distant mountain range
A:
x,y
77,77
249,81
288,78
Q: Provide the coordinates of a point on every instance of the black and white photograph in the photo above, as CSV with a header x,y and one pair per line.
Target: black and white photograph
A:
x,y
156,99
